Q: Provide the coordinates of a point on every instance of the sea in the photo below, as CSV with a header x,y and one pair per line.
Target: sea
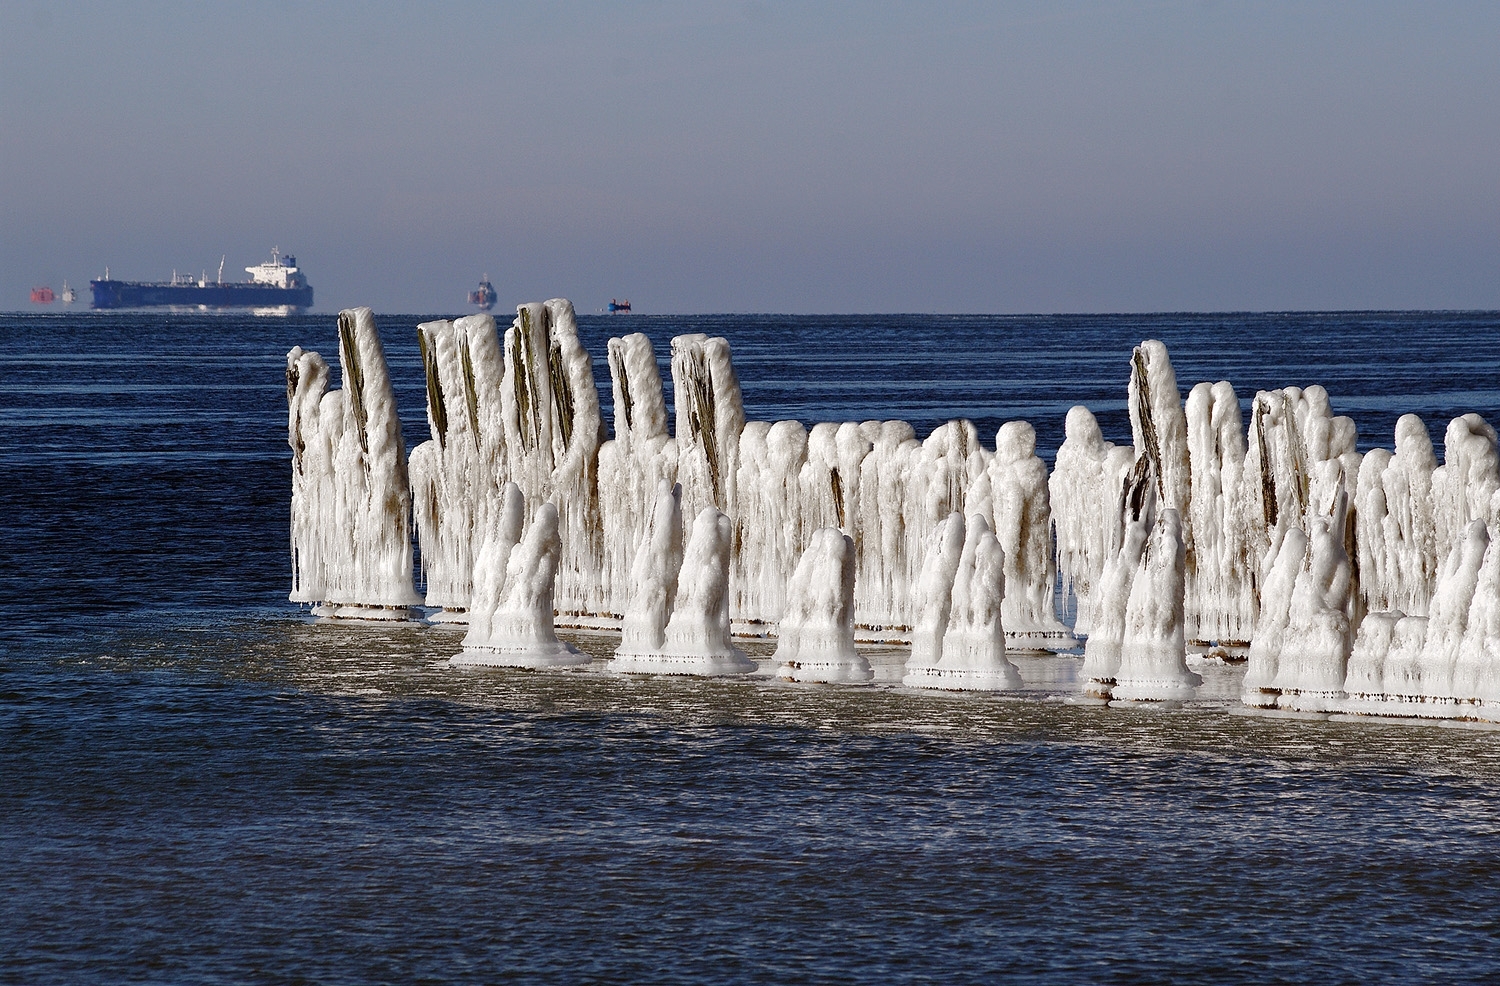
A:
x,y
201,784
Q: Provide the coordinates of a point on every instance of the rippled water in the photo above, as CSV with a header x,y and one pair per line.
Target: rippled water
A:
x,y
199,785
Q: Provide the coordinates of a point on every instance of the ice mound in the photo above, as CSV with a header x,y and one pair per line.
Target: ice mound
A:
x,y
696,637
518,632
351,499
817,629
960,639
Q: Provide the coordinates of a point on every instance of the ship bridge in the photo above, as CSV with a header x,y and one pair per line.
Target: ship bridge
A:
x,y
279,272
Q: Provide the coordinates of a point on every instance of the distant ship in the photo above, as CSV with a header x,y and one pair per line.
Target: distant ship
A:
x,y
42,295
619,306
68,295
277,284
485,296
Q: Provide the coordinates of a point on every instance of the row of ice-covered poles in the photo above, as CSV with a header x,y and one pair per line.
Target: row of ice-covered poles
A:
x,y
524,408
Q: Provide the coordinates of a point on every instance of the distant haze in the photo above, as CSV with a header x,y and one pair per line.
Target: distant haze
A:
x,y
762,156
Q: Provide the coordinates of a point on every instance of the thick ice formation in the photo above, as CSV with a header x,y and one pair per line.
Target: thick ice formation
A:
x,y
1263,509
1084,493
710,416
1220,591
1397,530
1153,652
501,533
699,643
1022,524
633,464
1319,636
817,630
1104,650
455,474
1278,584
553,430
697,639
1158,426
351,500
962,632
519,633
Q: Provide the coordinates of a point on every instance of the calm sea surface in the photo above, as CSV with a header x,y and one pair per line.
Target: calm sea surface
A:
x,y
199,785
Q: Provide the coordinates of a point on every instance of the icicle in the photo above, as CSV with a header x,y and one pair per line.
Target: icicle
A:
x,y
658,562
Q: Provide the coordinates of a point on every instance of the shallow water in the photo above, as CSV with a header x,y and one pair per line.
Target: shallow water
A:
x,y
199,784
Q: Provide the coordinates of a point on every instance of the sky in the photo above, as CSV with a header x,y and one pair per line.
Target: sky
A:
x,y
760,156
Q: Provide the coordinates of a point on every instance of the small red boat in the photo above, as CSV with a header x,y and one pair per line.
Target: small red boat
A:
x,y
619,306
42,296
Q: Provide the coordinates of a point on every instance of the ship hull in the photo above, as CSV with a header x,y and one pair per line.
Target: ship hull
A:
x,y
135,294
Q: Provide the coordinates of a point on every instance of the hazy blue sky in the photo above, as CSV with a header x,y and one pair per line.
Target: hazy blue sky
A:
x,y
995,157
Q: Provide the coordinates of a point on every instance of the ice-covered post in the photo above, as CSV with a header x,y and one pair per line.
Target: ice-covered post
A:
x,y
456,473
351,508
697,638
520,633
969,654
817,629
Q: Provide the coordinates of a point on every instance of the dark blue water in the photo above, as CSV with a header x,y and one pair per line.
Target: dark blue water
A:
x,y
197,785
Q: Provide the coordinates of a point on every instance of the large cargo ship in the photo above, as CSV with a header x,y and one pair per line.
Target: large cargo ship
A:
x,y
278,284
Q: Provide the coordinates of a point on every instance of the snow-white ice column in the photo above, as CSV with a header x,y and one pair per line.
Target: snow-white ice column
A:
x,y
553,430
890,555
969,654
817,630
1103,651
363,527
697,634
501,533
1221,579
709,418
1153,653
1314,659
633,464
314,440
456,474
1285,563
769,524
933,591
654,574
1397,536
1084,491
1023,526
520,633
1476,672
1465,485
